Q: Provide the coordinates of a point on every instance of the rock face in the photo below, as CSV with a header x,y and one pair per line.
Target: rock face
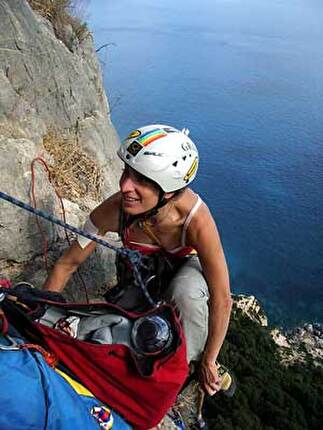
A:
x,y
252,308
44,87
18,232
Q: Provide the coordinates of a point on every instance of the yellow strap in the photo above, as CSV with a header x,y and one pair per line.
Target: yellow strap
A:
x,y
79,388
150,233
146,228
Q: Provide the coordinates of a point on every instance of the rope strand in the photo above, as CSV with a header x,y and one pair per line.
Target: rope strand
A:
x,y
42,232
135,258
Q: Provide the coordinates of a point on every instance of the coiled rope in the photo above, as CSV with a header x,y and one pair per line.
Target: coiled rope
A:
x,y
135,257
44,165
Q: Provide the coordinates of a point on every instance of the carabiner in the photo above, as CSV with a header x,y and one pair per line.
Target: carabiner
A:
x,y
13,345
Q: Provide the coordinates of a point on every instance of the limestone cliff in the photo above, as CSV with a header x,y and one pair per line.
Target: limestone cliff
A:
x,y
297,345
49,92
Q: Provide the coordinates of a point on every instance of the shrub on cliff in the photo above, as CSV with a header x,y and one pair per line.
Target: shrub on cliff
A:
x,y
61,14
270,396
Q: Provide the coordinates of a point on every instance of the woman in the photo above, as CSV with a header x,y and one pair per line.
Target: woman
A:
x,y
156,213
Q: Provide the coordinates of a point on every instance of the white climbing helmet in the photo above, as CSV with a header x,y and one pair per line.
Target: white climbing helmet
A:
x,y
163,154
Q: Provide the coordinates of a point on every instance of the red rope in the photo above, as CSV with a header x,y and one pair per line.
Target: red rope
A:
x,y
33,193
43,234
50,359
4,323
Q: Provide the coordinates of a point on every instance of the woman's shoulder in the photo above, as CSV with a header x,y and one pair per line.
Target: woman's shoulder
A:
x,y
106,215
194,211
186,201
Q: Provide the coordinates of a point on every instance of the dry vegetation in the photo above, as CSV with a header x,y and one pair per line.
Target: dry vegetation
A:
x,y
73,173
63,13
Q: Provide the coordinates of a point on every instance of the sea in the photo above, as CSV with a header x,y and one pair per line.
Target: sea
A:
x,y
246,77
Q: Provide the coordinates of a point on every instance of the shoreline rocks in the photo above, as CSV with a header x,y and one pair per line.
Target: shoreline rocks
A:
x,y
303,344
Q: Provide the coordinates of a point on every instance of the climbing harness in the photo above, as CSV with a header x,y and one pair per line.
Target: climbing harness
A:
x,y
135,258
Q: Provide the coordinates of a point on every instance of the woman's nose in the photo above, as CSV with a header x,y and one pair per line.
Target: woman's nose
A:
x,y
126,183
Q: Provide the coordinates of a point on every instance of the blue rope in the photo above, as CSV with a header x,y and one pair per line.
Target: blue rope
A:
x,y
135,257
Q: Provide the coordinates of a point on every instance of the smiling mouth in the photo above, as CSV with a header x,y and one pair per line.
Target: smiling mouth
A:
x,y
128,199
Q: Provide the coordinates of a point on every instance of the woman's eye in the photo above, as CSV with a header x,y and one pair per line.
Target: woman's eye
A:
x,y
141,179
138,177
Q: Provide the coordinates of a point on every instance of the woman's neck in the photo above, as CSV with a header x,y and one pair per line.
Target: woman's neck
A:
x,y
157,218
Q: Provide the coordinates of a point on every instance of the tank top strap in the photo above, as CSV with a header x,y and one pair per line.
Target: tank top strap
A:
x,y
188,219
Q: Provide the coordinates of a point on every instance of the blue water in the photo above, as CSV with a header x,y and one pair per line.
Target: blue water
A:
x,y
246,76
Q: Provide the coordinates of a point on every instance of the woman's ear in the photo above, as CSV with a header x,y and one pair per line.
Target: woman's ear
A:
x,y
168,196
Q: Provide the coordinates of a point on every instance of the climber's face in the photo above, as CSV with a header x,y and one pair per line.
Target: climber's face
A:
x,y
139,194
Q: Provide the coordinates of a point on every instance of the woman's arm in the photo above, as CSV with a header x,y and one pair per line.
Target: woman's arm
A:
x,y
204,237
106,218
66,265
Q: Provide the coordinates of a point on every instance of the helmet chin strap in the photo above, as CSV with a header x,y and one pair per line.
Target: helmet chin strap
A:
x,y
154,211
162,201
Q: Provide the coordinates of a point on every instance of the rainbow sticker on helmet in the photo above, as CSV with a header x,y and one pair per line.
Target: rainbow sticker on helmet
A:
x,y
134,134
151,136
191,171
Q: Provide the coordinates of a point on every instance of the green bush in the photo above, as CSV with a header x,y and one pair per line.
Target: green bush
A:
x,y
269,396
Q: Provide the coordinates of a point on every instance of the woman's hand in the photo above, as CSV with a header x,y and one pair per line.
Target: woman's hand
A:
x,y
209,379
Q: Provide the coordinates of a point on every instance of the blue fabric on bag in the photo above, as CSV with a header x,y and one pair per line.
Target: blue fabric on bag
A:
x,y
34,397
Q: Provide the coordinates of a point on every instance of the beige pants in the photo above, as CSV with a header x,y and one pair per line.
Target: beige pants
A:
x,y
188,291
